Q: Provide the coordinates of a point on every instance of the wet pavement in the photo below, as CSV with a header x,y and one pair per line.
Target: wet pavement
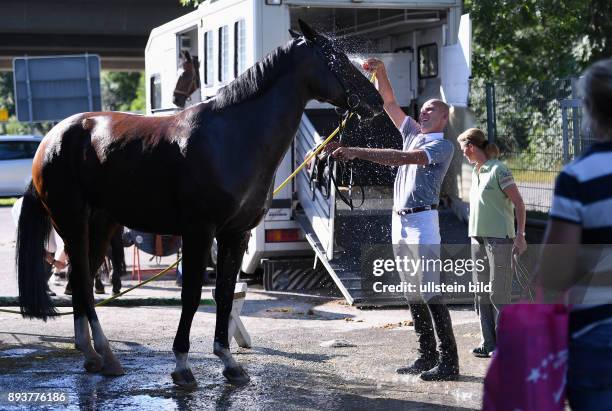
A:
x,y
288,367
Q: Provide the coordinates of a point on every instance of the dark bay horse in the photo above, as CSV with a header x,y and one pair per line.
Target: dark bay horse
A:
x,y
204,172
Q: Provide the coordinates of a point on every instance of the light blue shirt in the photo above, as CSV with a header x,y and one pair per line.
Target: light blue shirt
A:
x,y
419,185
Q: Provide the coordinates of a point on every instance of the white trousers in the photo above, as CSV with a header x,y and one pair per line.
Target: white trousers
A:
x,y
417,237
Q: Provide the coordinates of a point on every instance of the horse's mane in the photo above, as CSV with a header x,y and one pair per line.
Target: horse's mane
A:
x,y
257,79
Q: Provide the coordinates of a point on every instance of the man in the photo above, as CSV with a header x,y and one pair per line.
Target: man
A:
x,y
423,162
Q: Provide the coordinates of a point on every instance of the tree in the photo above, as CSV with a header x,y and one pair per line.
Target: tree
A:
x,y
193,3
522,41
138,105
119,89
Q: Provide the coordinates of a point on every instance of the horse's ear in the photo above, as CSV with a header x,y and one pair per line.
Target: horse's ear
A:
x,y
294,34
309,33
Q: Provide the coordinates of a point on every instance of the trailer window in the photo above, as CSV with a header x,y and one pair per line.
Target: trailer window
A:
x,y
428,61
209,58
155,91
223,54
239,48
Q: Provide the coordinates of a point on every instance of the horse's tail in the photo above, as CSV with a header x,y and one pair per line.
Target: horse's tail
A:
x,y
32,234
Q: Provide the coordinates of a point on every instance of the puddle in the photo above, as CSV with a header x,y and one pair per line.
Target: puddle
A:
x,y
141,402
17,352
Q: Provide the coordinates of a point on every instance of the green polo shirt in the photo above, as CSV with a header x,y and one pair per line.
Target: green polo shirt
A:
x,y
491,211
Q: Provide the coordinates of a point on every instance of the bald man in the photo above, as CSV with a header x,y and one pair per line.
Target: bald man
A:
x,y
422,164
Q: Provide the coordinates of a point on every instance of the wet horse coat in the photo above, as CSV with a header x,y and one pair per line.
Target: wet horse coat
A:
x,y
204,172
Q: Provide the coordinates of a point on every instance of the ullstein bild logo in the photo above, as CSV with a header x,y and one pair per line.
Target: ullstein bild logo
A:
x,y
431,287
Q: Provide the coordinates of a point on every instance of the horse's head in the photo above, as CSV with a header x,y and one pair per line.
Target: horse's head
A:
x,y
188,81
336,80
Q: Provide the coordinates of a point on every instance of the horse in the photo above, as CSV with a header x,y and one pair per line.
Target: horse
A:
x,y
204,172
188,81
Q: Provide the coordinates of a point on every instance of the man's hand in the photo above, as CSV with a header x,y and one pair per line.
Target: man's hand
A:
x,y
345,153
374,66
330,148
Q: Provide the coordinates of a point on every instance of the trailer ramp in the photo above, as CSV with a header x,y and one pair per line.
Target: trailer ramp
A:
x,y
345,268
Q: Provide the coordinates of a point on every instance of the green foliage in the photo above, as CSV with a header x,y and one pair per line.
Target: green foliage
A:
x,y
119,89
193,3
6,92
521,41
138,105
529,49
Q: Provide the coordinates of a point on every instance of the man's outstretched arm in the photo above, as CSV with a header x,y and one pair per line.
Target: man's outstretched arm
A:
x,y
384,156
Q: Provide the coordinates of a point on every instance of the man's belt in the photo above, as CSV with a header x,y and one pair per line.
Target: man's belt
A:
x,y
413,210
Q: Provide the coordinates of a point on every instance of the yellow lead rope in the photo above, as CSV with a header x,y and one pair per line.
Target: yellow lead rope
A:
x,y
114,297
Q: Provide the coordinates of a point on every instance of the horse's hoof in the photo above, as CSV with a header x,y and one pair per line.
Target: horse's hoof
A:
x,y
113,369
236,375
94,365
184,379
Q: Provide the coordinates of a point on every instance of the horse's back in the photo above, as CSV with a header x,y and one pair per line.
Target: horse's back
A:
x,y
112,160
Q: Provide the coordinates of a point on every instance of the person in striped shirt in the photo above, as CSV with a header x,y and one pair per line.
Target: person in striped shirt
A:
x,y
580,217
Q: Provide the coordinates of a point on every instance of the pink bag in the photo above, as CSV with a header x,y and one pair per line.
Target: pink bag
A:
x,y
528,369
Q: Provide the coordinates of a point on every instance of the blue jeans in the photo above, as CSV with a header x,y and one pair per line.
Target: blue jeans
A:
x,y
589,376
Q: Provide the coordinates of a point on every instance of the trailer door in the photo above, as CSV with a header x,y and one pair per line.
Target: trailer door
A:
x,y
318,209
457,65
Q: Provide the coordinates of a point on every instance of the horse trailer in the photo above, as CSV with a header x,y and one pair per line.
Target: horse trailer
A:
x,y
426,45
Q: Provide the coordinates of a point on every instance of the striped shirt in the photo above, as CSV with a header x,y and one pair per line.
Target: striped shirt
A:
x,y
583,196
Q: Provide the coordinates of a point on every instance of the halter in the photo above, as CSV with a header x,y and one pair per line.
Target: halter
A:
x,y
324,172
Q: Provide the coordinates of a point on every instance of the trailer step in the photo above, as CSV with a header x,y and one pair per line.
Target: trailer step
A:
x,y
345,271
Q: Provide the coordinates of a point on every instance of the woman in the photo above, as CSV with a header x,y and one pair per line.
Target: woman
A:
x,y
492,198
580,215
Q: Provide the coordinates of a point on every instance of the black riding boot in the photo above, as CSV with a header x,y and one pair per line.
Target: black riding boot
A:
x,y
98,285
428,356
448,367
118,260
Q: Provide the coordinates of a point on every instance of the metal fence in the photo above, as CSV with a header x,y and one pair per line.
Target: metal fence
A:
x,y
538,129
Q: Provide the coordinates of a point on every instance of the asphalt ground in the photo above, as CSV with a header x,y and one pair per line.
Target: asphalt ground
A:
x,y
289,368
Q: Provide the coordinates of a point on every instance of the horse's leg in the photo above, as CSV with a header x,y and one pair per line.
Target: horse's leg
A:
x,y
72,223
195,246
229,259
101,229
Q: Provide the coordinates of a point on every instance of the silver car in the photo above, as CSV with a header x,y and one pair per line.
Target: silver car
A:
x,y
16,154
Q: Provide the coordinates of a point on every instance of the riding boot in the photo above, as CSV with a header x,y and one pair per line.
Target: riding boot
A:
x,y
49,270
448,367
116,281
98,286
428,356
